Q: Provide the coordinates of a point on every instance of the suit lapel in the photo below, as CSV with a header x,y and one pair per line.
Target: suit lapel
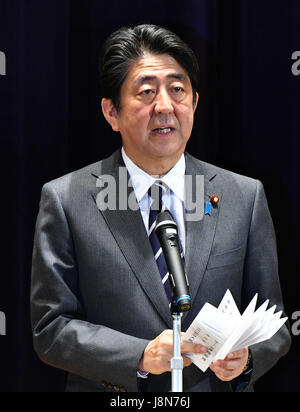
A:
x,y
200,234
129,232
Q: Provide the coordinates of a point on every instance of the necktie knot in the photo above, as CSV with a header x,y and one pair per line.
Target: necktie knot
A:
x,y
156,192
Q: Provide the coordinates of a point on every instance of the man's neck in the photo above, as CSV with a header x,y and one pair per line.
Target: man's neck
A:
x,y
156,168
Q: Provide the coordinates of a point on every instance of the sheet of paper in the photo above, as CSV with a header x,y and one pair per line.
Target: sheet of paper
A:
x,y
228,305
224,329
200,334
210,328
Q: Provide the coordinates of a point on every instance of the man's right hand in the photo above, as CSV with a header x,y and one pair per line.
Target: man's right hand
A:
x,y
159,352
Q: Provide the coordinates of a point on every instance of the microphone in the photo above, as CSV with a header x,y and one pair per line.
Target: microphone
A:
x,y
166,231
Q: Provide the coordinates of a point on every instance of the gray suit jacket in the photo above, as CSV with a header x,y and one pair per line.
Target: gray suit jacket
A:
x,y
97,298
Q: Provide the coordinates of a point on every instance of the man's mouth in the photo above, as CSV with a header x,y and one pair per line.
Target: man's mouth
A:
x,y
163,130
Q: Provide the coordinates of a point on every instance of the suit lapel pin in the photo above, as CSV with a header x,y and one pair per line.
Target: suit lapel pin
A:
x,y
208,208
214,200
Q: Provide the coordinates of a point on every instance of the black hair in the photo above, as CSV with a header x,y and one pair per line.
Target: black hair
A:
x,y
127,44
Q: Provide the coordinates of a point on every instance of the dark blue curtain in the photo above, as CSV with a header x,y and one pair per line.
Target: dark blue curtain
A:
x,y
51,123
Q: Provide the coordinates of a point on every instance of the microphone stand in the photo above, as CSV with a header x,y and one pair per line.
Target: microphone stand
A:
x,y
166,229
177,310
177,360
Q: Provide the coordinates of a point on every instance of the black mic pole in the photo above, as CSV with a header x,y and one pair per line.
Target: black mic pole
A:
x,y
167,233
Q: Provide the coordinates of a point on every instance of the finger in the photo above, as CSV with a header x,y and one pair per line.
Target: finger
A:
x,y
193,347
233,364
187,346
237,354
220,372
219,367
227,371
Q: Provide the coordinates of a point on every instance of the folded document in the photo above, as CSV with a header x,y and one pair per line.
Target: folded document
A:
x,y
223,330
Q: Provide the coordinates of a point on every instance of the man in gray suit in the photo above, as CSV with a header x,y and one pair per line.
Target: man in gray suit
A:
x,y
99,307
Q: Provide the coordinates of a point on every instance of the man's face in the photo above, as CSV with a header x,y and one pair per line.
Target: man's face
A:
x,y
157,110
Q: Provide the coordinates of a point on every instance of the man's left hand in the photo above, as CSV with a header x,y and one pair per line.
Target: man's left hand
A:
x,y
232,366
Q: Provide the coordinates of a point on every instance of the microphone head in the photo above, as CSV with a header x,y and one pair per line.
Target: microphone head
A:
x,y
165,220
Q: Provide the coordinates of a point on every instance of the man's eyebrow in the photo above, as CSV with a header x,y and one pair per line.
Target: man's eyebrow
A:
x,y
143,79
178,76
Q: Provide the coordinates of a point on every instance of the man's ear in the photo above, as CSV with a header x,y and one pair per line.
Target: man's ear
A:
x,y
196,101
110,113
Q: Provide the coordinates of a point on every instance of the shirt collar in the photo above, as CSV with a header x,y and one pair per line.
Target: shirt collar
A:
x,y
142,181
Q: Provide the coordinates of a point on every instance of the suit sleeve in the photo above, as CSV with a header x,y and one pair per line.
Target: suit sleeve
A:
x,y
61,335
261,275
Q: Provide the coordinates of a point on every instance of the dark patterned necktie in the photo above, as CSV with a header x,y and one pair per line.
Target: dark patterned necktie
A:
x,y
156,192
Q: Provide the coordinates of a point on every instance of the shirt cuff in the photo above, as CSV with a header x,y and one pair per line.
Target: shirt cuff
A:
x,y
142,374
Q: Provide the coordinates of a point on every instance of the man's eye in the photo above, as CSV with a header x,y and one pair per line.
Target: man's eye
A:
x,y
178,89
147,92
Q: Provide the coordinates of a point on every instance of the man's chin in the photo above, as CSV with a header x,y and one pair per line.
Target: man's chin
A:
x,y
168,151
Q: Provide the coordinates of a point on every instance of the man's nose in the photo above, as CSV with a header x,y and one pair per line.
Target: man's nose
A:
x,y
163,103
